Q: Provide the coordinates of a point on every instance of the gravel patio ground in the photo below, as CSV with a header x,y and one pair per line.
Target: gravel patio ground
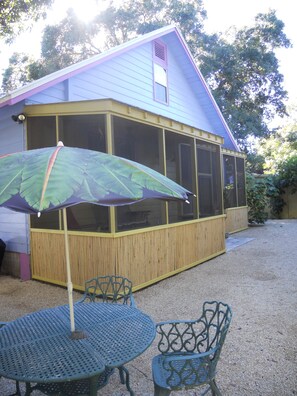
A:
x,y
257,277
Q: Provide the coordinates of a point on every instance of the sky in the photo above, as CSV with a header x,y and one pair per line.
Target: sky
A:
x,y
222,14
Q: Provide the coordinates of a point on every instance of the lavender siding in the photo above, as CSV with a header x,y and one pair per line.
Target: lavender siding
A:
x,y
128,78
14,228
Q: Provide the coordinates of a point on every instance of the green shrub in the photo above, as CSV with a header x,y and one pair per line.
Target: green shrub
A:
x,y
285,178
256,199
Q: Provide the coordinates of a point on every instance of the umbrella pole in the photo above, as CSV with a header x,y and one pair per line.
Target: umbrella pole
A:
x,y
68,270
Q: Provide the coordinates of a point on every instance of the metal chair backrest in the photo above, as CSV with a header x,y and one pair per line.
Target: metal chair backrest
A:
x,y
217,318
109,289
197,336
190,350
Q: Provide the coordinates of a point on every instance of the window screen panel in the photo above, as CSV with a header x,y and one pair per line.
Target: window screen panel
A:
x,y
180,168
141,143
241,190
230,200
209,179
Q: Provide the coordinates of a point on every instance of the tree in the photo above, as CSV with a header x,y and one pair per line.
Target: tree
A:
x,y
136,17
71,40
16,15
17,73
281,145
66,43
242,71
244,77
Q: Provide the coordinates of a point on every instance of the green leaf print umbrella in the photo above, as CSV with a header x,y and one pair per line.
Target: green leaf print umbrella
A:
x,y
47,179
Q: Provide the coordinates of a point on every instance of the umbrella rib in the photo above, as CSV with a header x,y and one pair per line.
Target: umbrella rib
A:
x,y
153,177
48,173
11,181
131,192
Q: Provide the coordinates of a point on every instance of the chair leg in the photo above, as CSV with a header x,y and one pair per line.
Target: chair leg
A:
x,y
122,378
214,388
125,373
17,386
17,389
161,391
28,389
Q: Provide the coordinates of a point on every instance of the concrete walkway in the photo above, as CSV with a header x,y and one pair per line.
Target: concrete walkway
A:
x,y
257,277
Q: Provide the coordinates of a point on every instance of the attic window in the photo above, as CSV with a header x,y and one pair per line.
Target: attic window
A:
x,y
160,72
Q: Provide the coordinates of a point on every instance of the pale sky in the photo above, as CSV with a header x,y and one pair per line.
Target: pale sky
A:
x,y
222,14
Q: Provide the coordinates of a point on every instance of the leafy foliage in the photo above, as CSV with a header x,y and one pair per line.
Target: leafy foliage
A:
x,y
281,145
136,17
256,199
18,71
66,43
243,75
274,193
15,15
241,68
287,174
269,189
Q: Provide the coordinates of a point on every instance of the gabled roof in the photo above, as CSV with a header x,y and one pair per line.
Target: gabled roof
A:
x,y
63,74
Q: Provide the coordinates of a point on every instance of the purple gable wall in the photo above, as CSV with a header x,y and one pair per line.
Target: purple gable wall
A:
x,y
125,74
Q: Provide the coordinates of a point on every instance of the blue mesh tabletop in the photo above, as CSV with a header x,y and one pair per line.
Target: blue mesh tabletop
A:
x,y
38,347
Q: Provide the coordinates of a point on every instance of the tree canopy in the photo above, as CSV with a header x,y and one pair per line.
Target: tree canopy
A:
x,y
240,66
17,14
281,146
244,76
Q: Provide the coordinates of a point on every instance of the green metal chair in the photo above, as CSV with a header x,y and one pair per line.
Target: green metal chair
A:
x,y
108,289
190,350
73,388
111,289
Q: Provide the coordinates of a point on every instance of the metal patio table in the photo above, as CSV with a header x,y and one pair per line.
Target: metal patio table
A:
x,y
38,348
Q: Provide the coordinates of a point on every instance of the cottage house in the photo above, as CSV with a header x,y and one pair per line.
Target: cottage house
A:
x,y
147,101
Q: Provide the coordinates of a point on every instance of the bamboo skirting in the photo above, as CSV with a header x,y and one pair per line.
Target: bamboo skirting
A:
x,y
236,219
144,256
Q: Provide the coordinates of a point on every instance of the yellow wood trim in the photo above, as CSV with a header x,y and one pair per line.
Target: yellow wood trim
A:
x,y
109,138
222,178
233,153
110,150
236,208
47,280
123,110
163,145
120,234
195,170
76,233
238,230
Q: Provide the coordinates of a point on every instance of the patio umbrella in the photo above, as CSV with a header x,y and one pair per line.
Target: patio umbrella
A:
x,y
47,179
